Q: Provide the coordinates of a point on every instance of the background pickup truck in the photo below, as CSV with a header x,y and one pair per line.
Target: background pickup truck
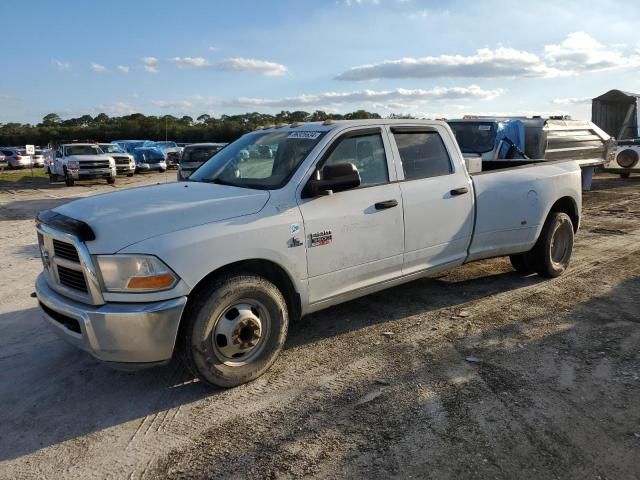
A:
x,y
218,265
78,161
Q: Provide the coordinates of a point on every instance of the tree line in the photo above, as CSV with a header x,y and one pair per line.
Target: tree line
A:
x,y
205,128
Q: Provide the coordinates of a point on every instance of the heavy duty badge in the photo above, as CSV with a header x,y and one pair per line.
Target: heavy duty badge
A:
x,y
321,238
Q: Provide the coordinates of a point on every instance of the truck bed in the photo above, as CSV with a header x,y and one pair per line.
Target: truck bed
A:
x,y
519,194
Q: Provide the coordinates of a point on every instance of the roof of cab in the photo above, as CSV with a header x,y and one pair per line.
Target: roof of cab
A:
x,y
329,125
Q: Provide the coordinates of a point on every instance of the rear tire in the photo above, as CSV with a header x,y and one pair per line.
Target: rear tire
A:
x,y
129,174
235,329
552,252
625,175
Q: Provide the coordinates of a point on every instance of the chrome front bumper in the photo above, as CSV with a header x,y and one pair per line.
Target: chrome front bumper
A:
x,y
123,333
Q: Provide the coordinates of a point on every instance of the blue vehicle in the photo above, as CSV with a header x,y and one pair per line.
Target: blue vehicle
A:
x,y
147,155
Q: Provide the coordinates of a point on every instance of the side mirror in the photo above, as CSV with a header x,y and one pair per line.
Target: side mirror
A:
x,y
335,178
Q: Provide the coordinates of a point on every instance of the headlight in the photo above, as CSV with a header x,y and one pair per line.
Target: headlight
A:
x,y
73,164
135,273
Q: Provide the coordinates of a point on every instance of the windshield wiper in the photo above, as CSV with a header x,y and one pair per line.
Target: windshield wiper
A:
x,y
219,181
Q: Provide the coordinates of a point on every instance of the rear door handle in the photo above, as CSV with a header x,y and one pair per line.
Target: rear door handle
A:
x,y
386,204
459,191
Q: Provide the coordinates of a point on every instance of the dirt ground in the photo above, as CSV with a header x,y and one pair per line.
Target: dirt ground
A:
x,y
485,374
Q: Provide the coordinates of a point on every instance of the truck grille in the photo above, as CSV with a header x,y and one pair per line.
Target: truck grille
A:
x,y
95,164
65,250
72,278
121,160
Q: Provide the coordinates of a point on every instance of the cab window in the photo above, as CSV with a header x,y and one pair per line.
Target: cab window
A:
x,y
423,155
367,153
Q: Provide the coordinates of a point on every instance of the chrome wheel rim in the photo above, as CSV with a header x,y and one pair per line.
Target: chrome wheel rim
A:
x,y
240,332
561,245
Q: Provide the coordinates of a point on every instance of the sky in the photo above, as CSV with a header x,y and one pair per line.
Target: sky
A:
x,y
430,59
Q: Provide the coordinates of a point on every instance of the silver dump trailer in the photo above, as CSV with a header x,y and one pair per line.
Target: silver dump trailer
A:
x,y
617,113
540,140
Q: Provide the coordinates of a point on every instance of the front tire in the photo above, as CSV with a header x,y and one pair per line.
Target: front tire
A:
x,y
552,252
625,175
111,180
235,329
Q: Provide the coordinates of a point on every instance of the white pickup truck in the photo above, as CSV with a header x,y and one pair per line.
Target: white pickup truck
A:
x,y
81,161
217,267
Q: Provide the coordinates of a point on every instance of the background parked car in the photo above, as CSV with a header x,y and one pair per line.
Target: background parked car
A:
x,y
172,152
38,158
16,157
145,153
149,158
3,161
125,163
195,155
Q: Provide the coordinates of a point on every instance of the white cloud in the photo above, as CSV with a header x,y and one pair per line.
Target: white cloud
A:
x,y
398,95
424,13
577,53
350,3
60,65
96,67
116,109
269,69
580,52
214,49
123,68
190,62
387,99
151,64
571,100
178,105
486,63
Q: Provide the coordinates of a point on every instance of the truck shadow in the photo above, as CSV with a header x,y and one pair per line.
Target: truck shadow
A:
x,y
462,410
52,393
414,298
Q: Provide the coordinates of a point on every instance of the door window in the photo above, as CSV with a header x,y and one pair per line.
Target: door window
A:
x,y
367,154
423,155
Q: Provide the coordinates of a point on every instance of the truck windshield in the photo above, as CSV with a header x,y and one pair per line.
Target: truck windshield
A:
x,y
199,154
262,160
82,150
111,148
475,137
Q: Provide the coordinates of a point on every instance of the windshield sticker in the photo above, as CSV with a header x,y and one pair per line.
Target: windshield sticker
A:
x,y
484,127
306,135
295,228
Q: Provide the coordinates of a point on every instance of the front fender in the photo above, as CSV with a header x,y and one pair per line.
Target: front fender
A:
x,y
194,253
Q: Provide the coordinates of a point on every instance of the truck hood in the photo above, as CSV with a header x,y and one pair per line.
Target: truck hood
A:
x,y
129,216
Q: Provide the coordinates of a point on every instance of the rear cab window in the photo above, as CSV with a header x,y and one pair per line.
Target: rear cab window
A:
x,y
422,154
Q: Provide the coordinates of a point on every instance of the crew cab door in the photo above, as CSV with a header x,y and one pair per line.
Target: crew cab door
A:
x,y
437,198
355,238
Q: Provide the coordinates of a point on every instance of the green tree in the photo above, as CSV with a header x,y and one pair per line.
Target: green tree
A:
x,y
51,119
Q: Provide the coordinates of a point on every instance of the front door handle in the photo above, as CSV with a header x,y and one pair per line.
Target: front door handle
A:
x,y
386,204
459,191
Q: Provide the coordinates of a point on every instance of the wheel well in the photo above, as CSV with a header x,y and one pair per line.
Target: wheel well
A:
x,y
267,269
568,205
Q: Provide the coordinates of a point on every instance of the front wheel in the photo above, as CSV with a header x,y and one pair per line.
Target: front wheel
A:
x,y
625,175
552,252
111,180
69,181
234,330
